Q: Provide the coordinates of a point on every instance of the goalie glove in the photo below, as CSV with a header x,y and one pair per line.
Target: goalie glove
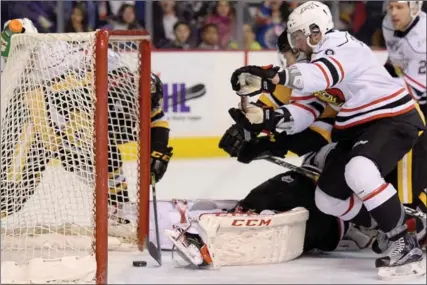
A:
x,y
258,119
252,80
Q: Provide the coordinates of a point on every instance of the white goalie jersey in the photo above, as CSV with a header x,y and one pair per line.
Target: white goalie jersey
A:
x,y
407,53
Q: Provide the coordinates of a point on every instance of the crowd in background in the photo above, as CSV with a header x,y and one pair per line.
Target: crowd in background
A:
x,y
195,24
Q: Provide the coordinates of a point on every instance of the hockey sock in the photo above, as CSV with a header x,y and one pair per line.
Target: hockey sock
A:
x,y
390,217
363,218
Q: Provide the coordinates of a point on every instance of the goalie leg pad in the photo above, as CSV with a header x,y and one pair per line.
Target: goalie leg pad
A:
x,y
189,246
250,239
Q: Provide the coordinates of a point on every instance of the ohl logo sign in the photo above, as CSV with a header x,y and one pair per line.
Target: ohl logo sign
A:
x,y
174,96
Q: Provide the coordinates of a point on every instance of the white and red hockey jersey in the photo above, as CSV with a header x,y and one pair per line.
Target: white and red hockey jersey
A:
x,y
347,75
407,52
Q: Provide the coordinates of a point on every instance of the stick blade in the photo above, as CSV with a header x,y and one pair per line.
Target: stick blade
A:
x,y
154,252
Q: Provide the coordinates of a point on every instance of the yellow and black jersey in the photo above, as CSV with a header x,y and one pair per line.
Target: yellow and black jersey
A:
x,y
312,139
158,118
159,128
159,122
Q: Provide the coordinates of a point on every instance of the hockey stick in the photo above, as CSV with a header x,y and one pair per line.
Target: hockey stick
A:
x,y
299,169
155,251
193,92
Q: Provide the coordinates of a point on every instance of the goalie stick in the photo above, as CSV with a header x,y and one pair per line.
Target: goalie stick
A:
x,y
155,251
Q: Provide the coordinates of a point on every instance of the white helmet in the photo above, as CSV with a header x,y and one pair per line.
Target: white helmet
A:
x,y
306,17
27,24
415,7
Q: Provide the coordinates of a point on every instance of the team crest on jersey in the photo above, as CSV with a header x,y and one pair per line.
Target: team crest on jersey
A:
x,y
332,96
393,45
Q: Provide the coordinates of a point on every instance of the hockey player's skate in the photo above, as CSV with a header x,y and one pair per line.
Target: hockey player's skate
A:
x,y
420,225
404,259
189,246
415,222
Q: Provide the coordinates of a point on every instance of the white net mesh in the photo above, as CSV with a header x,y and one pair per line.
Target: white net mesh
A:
x,y
48,96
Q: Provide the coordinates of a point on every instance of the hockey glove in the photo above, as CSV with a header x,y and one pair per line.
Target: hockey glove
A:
x,y
252,80
233,140
257,119
159,162
259,148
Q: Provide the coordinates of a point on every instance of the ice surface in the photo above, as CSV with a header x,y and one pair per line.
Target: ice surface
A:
x,y
218,179
228,179
332,268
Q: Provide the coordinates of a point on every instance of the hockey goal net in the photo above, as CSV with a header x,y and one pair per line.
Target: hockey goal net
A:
x,y
75,154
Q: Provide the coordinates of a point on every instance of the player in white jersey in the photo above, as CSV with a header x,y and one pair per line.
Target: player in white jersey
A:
x,y
404,29
62,61
376,125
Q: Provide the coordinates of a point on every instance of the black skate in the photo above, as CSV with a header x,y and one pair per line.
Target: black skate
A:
x,y
404,259
420,225
416,222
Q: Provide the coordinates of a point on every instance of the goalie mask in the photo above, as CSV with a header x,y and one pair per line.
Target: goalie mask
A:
x,y
309,18
156,91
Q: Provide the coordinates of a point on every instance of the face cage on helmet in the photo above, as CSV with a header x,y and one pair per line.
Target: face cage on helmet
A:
x,y
301,35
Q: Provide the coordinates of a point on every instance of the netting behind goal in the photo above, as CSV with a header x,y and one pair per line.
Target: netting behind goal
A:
x,y
75,141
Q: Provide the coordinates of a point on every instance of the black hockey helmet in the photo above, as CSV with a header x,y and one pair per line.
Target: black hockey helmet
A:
x,y
283,44
156,91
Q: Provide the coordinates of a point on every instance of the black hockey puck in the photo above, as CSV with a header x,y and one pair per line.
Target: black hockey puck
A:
x,y
140,263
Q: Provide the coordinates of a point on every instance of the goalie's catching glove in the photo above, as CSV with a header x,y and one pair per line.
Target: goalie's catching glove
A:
x,y
159,161
252,80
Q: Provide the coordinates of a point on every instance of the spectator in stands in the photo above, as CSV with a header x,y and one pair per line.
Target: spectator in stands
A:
x,y
195,12
104,13
210,37
78,21
125,19
224,18
367,22
117,5
41,13
165,16
90,8
181,37
269,20
249,42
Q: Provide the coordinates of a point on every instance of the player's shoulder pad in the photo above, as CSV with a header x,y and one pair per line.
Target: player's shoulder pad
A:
x,y
386,24
387,28
334,42
417,36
